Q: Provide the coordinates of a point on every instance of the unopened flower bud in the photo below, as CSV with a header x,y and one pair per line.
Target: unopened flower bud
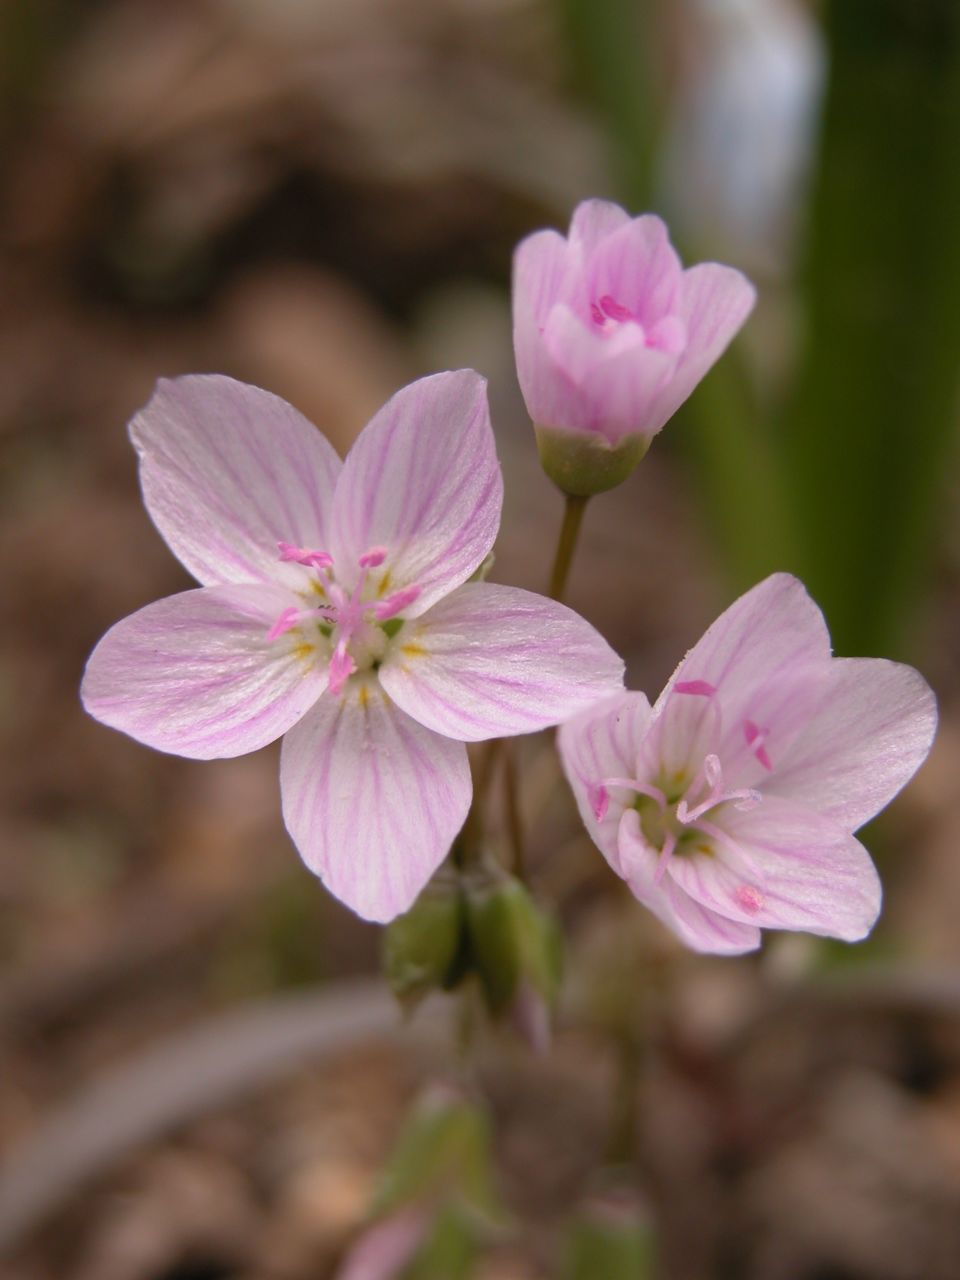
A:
x,y
421,949
516,952
611,336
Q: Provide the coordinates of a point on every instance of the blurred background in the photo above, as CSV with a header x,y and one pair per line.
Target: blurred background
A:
x,y
201,1076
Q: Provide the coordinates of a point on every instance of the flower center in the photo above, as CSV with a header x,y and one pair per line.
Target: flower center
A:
x,y
675,816
668,334
607,313
358,626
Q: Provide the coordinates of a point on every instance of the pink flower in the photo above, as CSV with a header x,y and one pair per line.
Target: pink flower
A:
x,y
611,334
336,609
730,805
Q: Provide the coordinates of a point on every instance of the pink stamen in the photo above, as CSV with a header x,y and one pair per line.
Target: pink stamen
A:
x,y
746,797
702,688
755,738
288,619
642,788
395,603
666,853
304,556
345,611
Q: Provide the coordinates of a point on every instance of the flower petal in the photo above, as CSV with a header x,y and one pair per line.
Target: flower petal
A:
x,y
872,731
423,482
624,387
593,221
637,267
771,633
714,301
491,660
783,866
578,349
195,675
371,799
694,924
227,472
603,742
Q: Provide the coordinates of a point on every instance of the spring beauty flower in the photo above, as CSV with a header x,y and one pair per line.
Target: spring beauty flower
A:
x,y
730,805
611,335
335,609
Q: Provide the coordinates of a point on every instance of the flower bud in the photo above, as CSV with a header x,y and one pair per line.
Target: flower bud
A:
x,y
611,335
422,948
516,952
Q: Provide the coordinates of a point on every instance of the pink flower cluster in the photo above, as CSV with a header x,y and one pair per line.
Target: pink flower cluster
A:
x,y
340,608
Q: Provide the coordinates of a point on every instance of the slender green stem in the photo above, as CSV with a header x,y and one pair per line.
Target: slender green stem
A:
x,y
514,819
566,543
470,842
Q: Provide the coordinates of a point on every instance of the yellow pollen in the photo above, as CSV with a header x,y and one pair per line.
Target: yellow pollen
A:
x,y
413,650
363,694
304,650
384,584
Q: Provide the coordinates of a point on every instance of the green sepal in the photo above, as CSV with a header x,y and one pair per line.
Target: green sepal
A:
x,y
583,463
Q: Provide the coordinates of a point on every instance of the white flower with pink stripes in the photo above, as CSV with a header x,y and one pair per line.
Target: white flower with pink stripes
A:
x,y
336,609
731,804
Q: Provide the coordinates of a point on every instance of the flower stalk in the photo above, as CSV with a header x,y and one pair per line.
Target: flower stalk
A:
x,y
575,505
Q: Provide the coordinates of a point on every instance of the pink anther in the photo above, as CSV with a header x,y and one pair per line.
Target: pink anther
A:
x,y
614,309
701,688
373,558
749,898
395,603
599,798
304,556
755,738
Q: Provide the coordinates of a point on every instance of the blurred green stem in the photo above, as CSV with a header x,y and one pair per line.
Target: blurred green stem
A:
x,y
511,798
566,543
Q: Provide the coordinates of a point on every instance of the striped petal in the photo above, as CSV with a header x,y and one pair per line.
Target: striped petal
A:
x,y
194,674
873,728
602,743
228,471
783,866
490,660
423,483
372,800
